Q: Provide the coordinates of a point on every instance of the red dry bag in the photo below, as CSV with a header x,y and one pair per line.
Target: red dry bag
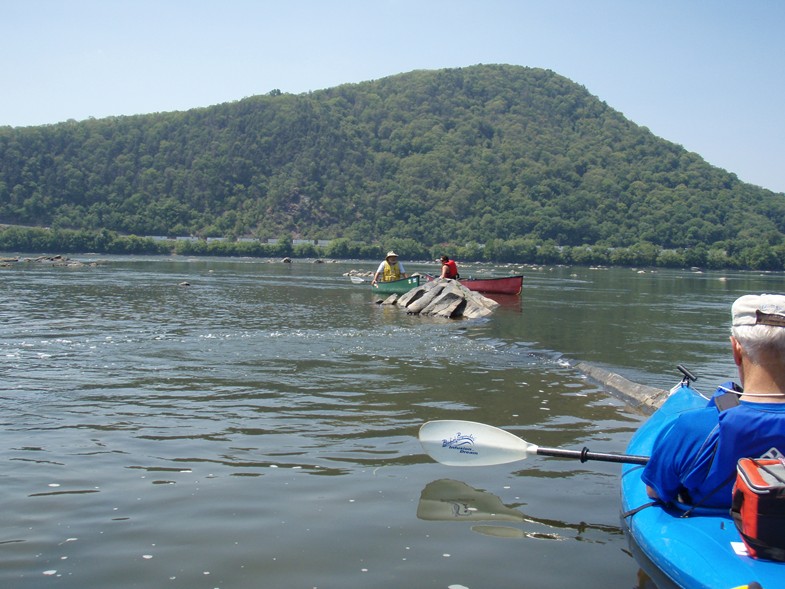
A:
x,y
759,506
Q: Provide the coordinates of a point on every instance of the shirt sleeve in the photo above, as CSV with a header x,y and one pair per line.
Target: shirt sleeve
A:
x,y
660,472
675,451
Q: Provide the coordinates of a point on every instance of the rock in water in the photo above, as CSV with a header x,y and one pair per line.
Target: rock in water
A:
x,y
446,298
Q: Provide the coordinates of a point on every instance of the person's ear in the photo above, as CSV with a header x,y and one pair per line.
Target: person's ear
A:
x,y
737,350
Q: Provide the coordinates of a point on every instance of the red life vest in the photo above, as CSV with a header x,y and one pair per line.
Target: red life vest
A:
x,y
452,269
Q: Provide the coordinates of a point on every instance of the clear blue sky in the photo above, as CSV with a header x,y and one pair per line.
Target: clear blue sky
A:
x,y
706,74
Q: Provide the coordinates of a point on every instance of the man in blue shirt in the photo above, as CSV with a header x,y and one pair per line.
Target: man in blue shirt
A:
x,y
694,459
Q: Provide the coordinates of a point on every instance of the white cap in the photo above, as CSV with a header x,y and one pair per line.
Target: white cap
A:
x,y
765,309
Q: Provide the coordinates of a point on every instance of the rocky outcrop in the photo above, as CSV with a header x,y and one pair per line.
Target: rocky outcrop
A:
x,y
60,261
443,298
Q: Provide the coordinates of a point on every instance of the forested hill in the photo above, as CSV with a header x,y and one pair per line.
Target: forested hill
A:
x,y
475,154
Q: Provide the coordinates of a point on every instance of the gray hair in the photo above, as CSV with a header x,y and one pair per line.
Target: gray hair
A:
x,y
758,340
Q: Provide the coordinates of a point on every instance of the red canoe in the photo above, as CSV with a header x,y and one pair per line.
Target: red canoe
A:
x,y
510,285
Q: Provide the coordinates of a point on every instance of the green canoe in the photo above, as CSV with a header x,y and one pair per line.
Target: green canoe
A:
x,y
396,286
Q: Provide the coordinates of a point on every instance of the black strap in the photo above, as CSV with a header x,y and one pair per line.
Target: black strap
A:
x,y
632,512
707,495
726,401
763,549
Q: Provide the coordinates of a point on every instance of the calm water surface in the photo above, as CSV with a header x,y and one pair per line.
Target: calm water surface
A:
x,y
258,428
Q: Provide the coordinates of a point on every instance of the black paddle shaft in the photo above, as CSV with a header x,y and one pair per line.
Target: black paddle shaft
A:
x,y
584,455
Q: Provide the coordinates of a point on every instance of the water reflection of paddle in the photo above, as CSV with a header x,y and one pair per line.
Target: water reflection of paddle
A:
x,y
451,500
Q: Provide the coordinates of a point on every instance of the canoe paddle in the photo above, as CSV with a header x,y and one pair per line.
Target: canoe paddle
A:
x,y
468,443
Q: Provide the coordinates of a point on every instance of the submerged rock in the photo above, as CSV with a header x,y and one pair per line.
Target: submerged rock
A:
x,y
647,399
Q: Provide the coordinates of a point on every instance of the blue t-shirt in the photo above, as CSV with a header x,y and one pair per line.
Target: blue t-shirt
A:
x,y
694,459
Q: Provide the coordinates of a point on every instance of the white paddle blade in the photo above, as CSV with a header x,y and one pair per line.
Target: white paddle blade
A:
x,y
468,443
356,279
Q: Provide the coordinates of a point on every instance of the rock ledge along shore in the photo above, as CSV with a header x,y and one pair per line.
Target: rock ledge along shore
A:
x,y
58,260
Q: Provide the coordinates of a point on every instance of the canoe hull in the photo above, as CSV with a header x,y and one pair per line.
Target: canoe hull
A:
x,y
695,552
510,285
396,286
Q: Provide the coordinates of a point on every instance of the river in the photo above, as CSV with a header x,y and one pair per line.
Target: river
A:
x,y
258,427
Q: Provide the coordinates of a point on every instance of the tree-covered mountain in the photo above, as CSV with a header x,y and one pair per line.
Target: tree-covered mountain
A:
x,y
480,154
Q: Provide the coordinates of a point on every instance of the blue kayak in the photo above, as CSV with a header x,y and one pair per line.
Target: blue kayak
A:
x,y
702,551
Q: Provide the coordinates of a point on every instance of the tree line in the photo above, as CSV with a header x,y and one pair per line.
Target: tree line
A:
x,y
518,251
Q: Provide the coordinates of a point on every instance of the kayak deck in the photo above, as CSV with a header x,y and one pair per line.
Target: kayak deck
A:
x,y
696,552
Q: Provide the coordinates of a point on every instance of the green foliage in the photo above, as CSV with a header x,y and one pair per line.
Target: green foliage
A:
x,y
491,162
521,251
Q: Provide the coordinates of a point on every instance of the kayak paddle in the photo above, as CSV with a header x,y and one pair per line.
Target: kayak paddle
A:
x,y
468,443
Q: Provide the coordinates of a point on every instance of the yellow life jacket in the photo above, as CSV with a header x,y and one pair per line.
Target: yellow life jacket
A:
x,y
391,272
